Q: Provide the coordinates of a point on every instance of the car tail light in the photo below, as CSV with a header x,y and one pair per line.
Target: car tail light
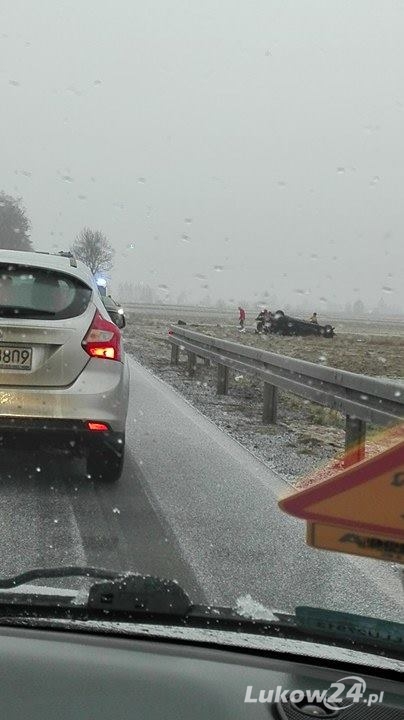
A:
x,y
96,426
103,339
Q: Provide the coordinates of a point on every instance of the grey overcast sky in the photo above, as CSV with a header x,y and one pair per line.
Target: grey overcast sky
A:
x,y
275,126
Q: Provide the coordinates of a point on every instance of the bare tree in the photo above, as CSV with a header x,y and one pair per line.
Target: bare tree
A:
x,y
94,249
14,224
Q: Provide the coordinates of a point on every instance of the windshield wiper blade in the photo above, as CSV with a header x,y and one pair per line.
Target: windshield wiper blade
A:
x,y
57,572
121,592
132,598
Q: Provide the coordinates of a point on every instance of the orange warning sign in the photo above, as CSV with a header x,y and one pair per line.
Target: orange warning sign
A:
x,y
368,496
347,540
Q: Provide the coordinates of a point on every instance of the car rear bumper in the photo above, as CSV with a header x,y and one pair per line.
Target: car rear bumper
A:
x,y
100,393
70,436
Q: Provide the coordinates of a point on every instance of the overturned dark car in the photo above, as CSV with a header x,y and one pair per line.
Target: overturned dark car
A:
x,y
282,324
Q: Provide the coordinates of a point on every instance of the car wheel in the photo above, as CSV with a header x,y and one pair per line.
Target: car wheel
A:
x,y
105,463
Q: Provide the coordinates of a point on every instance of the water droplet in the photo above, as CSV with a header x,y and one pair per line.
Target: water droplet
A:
x,y
26,173
200,277
14,83
387,289
188,220
142,180
97,82
281,184
218,268
163,287
375,180
300,292
131,246
67,178
185,238
340,170
82,197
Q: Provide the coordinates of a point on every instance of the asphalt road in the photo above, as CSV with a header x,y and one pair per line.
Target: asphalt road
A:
x,y
192,505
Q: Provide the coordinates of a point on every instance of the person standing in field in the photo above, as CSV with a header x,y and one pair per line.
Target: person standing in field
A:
x,y
241,318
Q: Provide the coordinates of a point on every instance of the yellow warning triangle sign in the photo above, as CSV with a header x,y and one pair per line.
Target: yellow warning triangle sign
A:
x,y
368,496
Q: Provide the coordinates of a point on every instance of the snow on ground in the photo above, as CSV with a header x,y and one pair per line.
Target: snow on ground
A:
x,y
307,438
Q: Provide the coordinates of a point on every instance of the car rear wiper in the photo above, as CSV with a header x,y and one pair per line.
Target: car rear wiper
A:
x,y
130,597
26,312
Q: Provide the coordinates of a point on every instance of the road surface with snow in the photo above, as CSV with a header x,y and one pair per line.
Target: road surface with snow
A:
x,y
193,505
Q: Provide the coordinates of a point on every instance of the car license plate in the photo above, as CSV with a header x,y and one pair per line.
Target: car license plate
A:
x,y
15,358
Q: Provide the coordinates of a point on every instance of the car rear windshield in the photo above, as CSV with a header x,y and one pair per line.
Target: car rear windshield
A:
x,y
30,292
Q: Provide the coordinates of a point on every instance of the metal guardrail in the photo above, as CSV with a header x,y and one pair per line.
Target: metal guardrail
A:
x,y
362,399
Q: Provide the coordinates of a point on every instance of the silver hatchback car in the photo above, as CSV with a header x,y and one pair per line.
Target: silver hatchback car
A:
x,y
63,373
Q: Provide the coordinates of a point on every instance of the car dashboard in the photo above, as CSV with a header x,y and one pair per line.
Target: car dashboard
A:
x,y
64,674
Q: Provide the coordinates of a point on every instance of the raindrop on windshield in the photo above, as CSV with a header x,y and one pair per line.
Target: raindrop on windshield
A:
x,y
82,197
387,289
185,238
340,170
67,178
188,220
14,83
199,277
97,82
142,180
375,180
218,268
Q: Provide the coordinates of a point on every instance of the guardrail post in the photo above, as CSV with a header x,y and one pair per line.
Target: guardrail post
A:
x,y
355,438
222,379
269,412
175,352
191,364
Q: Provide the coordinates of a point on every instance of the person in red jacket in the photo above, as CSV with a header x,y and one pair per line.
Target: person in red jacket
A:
x,y
241,317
